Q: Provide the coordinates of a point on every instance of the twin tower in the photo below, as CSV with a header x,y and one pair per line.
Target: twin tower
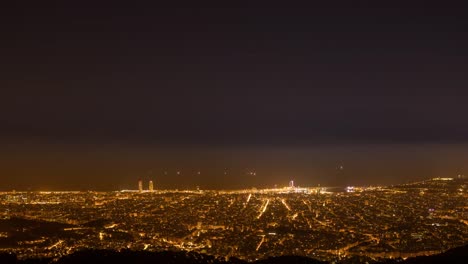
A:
x,y
140,186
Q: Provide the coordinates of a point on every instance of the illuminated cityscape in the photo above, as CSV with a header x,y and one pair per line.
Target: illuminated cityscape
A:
x,y
408,220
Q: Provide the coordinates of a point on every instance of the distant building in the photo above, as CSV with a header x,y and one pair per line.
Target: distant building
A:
x,y
291,184
151,187
140,185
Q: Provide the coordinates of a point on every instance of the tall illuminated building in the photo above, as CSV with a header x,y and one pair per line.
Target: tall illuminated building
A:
x,y
291,184
140,185
150,185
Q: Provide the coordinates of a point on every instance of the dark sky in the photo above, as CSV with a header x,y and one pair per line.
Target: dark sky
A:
x,y
96,97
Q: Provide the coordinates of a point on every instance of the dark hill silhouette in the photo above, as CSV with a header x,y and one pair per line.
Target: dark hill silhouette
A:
x,y
456,255
126,256
289,259
7,258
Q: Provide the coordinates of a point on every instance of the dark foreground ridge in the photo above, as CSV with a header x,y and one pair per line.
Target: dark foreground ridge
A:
x,y
456,255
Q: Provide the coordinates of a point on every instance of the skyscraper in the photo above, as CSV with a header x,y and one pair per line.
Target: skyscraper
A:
x,y
140,185
151,187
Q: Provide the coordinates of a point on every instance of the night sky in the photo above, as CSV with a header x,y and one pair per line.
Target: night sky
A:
x,y
96,97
